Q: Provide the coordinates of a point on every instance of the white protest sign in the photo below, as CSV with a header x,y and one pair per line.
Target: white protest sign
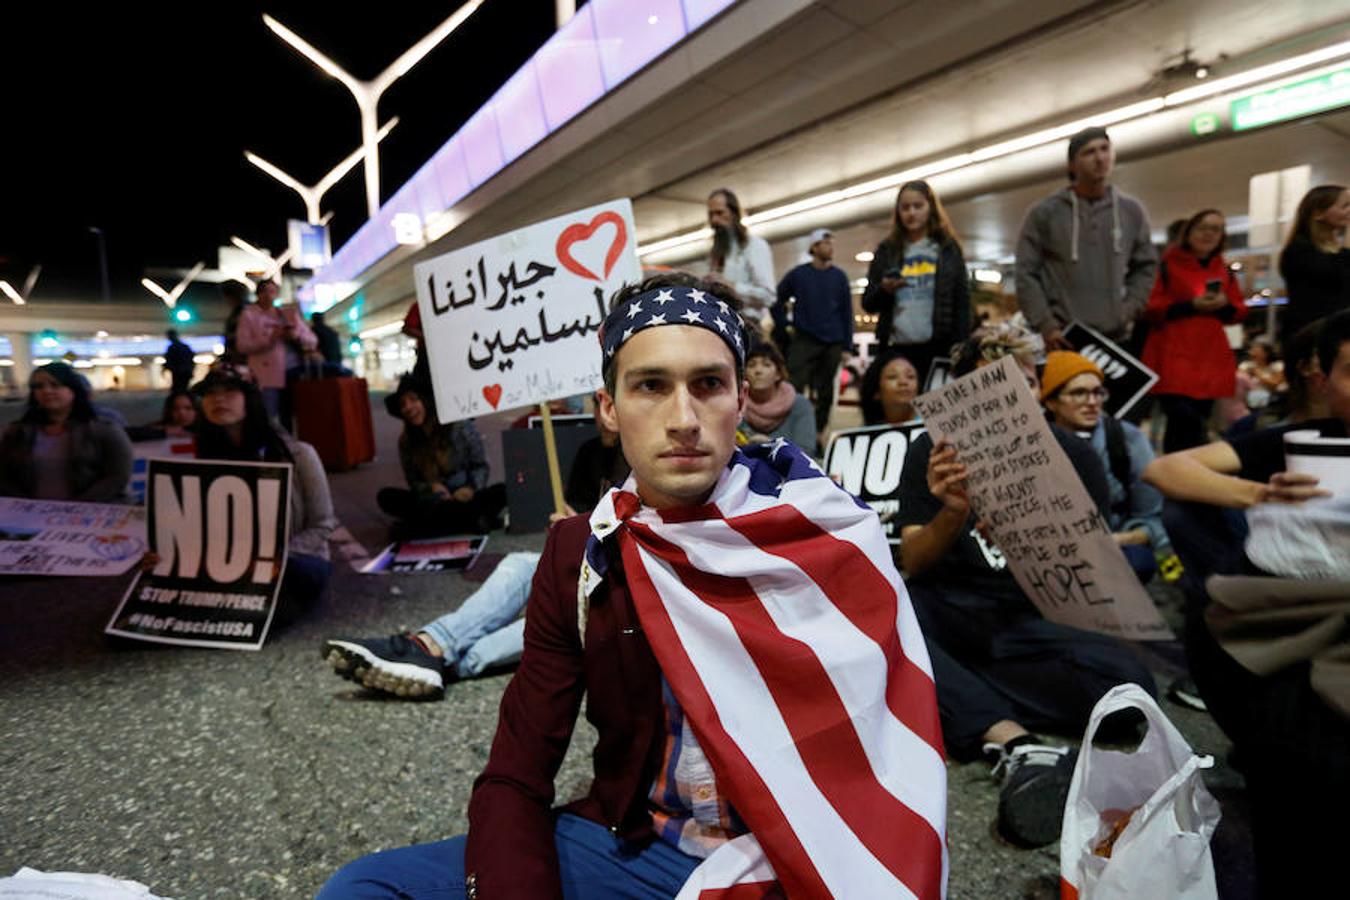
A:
x,y
220,531
53,537
1021,483
514,320
867,463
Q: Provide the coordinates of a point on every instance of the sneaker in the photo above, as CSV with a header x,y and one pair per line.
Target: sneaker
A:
x,y
398,665
1035,788
1183,692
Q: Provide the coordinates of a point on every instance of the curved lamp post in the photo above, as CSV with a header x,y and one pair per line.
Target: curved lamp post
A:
x,y
367,93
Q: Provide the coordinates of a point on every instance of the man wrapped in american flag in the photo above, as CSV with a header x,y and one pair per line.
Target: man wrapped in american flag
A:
x,y
766,717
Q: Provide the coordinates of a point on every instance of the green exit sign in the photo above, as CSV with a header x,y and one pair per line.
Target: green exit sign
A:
x,y
1205,123
1290,101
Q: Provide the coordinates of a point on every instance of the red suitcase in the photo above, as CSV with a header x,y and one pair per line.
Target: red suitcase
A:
x,y
333,415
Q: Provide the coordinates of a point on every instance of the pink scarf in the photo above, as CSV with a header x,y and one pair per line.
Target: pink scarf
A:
x,y
765,417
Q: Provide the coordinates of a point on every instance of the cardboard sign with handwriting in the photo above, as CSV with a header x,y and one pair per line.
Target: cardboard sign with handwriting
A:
x,y
57,537
1022,485
514,320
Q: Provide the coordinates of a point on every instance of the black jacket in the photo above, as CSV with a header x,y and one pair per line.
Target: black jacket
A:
x,y
951,294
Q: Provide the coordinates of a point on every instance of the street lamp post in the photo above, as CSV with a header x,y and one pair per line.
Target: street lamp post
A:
x,y
367,93
102,261
312,195
274,264
170,298
20,298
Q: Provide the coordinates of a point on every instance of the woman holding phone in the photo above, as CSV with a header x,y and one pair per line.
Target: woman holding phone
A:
x,y
917,283
1194,297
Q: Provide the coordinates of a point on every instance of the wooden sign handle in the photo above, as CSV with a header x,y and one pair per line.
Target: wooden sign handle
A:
x,y
551,452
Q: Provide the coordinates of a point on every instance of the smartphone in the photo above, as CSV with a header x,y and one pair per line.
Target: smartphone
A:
x,y
1214,286
892,272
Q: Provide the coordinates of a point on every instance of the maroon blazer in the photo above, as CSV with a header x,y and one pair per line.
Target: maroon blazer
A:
x,y
510,850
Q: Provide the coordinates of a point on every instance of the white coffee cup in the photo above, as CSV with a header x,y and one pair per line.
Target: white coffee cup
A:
x,y
1327,458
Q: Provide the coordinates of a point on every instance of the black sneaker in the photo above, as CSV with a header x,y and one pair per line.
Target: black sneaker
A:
x,y
398,665
1035,787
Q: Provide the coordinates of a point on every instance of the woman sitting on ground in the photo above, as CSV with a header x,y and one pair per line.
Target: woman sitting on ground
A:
x,y
176,419
774,409
889,387
60,449
235,426
446,468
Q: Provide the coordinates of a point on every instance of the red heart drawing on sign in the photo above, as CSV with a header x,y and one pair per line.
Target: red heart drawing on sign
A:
x,y
493,394
580,232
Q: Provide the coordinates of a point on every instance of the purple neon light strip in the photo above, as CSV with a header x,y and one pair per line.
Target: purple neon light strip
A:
x,y
603,46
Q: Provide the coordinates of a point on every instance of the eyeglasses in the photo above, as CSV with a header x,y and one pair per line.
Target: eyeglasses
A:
x,y
1084,395
1209,229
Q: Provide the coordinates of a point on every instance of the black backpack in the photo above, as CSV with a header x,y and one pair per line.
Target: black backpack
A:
x,y
1118,456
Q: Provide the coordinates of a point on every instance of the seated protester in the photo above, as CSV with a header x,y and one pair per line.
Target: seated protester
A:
x,y
888,389
60,448
176,419
446,468
666,622
235,426
1001,669
773,408
598,466
485,632
1298,402
1073,393
1292,744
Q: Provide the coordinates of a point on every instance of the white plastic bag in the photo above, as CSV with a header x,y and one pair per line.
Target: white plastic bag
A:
x,y
1164,849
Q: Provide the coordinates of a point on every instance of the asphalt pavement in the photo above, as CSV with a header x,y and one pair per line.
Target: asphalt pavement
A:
x,y
211,773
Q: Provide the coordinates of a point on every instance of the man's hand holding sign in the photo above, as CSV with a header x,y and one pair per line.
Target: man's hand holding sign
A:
x,y
994,449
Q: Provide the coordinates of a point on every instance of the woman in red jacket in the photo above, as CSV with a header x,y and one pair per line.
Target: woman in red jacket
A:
x,y
1194,298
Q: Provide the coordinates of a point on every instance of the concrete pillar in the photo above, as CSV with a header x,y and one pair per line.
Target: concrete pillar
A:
x,y
21,351
1272,202
565,9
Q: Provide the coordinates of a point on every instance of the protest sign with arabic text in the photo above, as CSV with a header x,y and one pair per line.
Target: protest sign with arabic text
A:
x,y
867,463
1058,545
219,530
57,537
514,320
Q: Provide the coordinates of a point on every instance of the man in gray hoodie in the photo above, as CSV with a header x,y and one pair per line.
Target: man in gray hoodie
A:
x,y
1085,252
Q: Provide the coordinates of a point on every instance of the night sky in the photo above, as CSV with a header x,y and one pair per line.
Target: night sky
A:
x,y
137,123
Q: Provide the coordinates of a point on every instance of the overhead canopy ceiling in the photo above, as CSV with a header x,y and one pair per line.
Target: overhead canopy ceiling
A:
x,y
1170,185
784,98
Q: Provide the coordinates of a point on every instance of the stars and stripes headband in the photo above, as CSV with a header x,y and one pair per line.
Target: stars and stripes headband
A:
x,y
672,306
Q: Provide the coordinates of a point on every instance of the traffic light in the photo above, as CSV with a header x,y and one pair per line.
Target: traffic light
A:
x,y
182,315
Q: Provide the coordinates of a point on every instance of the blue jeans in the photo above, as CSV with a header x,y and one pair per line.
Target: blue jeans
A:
x,y
1141,560
594,864
486,630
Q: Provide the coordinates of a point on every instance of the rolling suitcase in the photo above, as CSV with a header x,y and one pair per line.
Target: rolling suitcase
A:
x,y
333,415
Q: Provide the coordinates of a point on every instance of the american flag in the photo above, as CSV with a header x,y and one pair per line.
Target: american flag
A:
x,y
786,633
